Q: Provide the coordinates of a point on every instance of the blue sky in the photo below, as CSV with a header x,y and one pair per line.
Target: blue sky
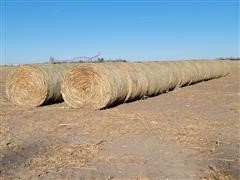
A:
x,y
32,31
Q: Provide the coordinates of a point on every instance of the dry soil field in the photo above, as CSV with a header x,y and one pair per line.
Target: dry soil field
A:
x,y
189,133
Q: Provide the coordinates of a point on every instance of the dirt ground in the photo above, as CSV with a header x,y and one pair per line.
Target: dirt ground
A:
x,y
189,133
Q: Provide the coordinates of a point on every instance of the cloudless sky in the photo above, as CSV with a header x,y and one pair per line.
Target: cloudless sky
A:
x,y
32,31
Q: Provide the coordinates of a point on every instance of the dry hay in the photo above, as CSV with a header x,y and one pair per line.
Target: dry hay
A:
x,y
35,85
127,159
140,178
103,85
215,174
65,155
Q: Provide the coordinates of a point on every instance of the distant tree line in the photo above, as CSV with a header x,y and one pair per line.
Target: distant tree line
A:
x,y
230,58
84,59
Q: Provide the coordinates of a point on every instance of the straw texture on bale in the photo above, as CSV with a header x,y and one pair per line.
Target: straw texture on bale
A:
x,y
100,85
35,85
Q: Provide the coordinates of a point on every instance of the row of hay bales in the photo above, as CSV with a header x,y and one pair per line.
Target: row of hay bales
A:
x,y
101,85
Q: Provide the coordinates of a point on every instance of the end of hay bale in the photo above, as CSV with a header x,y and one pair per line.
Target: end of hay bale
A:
x,y
26,86
84,86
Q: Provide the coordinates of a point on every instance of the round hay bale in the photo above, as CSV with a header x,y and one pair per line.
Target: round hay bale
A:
x,y
96,85
102,85
35,85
